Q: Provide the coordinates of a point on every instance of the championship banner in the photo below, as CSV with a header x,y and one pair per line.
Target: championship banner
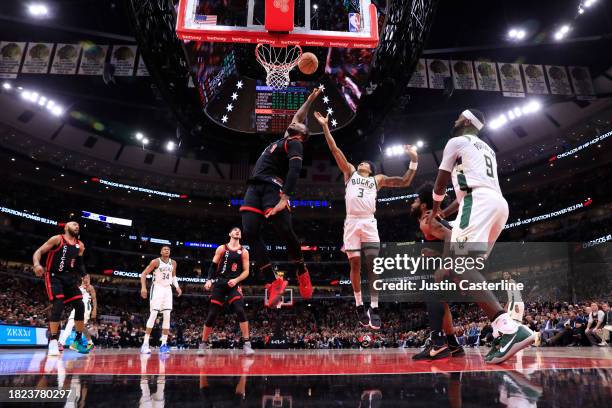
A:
x,y
141,70
10,58
463,75
438,71
37,58
511,81
419,76
486,76
123,58
65,59
92,61
535,80
582,83
557,77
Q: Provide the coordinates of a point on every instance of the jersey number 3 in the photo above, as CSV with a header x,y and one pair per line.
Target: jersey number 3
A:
x,y
360,192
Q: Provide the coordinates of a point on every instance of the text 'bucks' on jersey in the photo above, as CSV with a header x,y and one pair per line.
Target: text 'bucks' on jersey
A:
x,y
360,196
162,275
472,164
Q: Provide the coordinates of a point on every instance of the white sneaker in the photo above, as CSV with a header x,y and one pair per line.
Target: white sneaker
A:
x,y
53,348
247,349
145,349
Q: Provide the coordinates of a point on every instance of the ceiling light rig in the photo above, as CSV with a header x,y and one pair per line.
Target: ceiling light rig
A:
x,y
515,113
36,98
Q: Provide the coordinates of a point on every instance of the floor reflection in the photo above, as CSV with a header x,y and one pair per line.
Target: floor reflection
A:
x,y
542,388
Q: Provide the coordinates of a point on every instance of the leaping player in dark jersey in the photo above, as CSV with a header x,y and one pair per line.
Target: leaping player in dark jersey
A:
x,y
443,342
269,190
229,267
63,271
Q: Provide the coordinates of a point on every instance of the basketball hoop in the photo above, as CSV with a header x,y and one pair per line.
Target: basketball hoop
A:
x,y
278,62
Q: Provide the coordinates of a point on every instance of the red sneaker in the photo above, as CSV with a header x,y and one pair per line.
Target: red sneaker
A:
x,y
305,285
275,291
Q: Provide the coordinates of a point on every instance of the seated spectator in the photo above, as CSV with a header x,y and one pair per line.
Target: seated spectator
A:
x,y
595,325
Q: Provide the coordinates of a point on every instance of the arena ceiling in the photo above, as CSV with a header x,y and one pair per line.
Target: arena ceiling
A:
x,y
472,30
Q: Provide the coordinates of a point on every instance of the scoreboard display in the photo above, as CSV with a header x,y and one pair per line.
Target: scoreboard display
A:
x,y
274,109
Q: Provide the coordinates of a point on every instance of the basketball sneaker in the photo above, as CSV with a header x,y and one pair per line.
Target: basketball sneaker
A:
x,y
164,349
374,318
247,349
79,347
510,344
435,349
145,349
53,348
456,350
362,315
275,291
305,284
90,346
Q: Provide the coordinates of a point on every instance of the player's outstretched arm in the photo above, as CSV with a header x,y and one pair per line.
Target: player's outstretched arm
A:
x,y
345,167
452,150
143,277
44,248
406,179
300,115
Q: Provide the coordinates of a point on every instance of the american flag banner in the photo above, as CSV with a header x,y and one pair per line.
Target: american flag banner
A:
x,y
206,19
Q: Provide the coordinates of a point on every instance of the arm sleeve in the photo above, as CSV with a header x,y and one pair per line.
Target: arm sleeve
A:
x,y
451,152
212,271
294,153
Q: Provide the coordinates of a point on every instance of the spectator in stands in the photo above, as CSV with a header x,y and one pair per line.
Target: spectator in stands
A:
x,y
595,325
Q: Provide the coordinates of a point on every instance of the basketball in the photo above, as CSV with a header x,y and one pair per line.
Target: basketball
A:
x,y
308,63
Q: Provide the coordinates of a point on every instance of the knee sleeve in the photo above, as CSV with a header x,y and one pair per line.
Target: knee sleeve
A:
x,y
79,310
166,321
56,310
370,250
151,320
238,308
213,312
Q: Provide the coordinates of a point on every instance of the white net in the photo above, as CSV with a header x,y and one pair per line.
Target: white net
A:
x,y
278,62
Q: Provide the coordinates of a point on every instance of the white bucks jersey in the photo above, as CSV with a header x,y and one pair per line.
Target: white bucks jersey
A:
x,y
86,298
360,196
162,275
472,164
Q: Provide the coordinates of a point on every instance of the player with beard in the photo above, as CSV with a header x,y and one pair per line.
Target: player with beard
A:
x,y
229,267
269,190
360,227
440,317
483,212
63,271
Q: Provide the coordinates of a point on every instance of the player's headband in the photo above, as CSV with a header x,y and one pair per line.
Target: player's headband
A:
x,y
475,121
